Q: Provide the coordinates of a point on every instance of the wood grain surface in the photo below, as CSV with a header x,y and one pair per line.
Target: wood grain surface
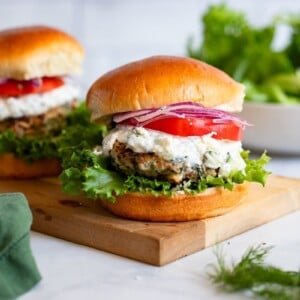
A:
x,y
85,222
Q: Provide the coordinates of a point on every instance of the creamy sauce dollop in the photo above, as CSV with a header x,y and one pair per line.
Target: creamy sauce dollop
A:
x,y
194,150
36,104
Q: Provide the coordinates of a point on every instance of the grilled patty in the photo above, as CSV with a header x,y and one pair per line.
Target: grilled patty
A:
x,y
153,166
40,124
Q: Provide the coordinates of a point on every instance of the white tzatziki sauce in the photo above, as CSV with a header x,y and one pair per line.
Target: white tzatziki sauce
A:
x,y
194,150
36,104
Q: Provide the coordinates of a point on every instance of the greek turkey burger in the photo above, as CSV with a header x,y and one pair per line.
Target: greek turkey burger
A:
x,y
36,94
173,151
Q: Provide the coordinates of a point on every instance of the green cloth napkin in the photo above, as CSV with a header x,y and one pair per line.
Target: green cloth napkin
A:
x,y
18,270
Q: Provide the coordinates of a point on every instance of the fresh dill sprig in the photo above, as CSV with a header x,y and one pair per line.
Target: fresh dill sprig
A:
x,y
252,275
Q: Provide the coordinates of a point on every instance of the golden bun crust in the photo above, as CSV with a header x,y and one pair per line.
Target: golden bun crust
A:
x,y
16,168
36,51
181,207
161,80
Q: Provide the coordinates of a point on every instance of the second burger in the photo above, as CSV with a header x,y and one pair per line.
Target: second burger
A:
x,y
36,96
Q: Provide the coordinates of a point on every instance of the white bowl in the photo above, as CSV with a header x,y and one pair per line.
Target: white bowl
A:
x,y
275,128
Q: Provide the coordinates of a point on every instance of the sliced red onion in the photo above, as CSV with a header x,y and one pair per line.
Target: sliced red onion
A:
x,y
3,80
35,82
118,118
179,110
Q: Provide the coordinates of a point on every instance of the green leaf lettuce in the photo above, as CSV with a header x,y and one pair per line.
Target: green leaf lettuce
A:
x,y
247,53
94,175
74,129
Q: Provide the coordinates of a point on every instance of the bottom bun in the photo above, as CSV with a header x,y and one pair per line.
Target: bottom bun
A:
x,y
16,168
180,207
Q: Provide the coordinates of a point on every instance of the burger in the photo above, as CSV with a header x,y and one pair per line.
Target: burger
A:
x,y
173,148
36,95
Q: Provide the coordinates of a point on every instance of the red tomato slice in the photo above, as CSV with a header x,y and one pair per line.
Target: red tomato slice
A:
x,y
15,88
195,127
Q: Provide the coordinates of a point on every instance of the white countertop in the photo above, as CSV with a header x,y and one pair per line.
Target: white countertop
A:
x,y
74,272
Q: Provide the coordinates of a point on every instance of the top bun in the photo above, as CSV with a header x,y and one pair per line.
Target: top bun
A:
x,y
162,80
36,51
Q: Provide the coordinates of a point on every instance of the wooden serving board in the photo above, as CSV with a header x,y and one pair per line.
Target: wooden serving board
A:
x,y
84,222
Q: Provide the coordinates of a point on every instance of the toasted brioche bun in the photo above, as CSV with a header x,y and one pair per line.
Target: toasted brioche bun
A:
x,y
180,207
161,80
36,51
16,168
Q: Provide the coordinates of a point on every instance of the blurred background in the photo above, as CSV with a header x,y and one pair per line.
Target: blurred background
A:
x,y
118,31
